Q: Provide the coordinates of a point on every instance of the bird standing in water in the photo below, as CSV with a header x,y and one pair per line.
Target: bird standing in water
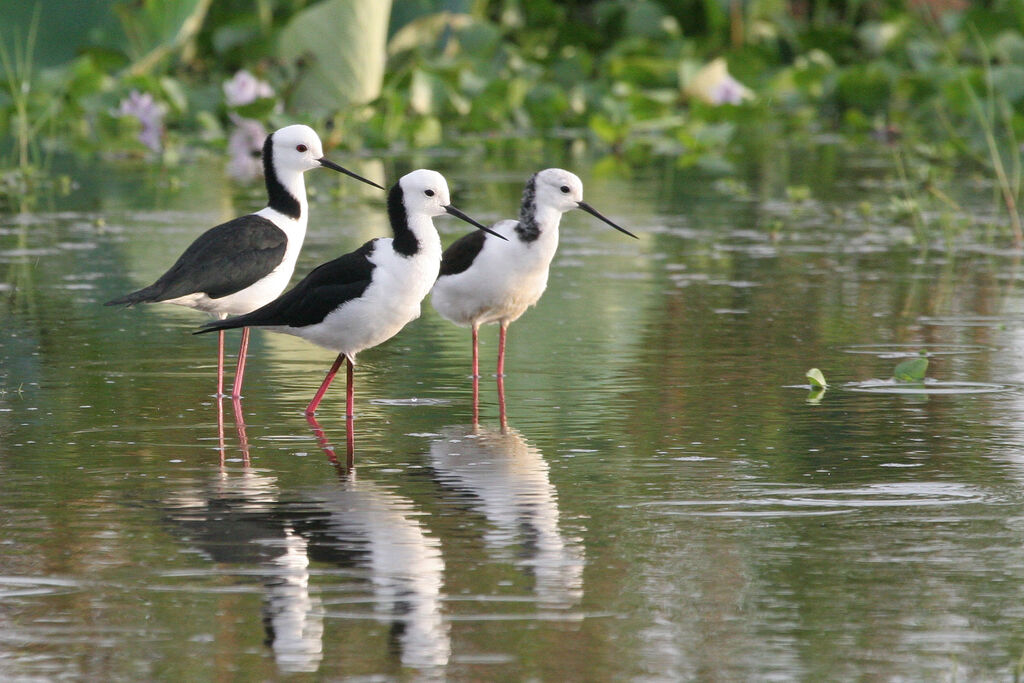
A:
x,y
482,281
238,266
366,296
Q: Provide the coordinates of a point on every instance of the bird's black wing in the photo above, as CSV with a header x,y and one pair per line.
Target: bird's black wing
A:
x,y
327,287
459,256
223,260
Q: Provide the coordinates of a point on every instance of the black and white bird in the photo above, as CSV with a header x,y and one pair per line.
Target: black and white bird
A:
x,y
365,297
238,266
483,282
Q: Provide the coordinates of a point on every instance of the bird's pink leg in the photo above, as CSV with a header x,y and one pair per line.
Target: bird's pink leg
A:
x,y
243,350
476,351
220,364
476,374
350,439
350,398
311,408
501,349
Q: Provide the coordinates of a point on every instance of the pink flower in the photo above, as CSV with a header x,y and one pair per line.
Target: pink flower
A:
x,y
149,113
244,147
244,88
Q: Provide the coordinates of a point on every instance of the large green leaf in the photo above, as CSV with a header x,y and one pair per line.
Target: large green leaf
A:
x,y
158,28
338,50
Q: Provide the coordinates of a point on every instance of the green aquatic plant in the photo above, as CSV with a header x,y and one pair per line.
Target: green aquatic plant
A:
x,y
994,116
911,370
816,378
29,110
818,386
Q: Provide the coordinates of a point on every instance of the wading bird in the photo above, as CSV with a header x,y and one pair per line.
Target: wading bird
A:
x,y
482,281
238,266
365,297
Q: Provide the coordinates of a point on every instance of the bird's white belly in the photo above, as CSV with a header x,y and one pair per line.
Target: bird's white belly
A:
x,y
261,292
487,296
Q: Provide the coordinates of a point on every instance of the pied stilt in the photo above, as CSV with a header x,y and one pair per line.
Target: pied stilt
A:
x,y
483,282
238,266
365,297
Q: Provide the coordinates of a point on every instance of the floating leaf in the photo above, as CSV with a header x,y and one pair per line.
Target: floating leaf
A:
x,y
817,378
911,370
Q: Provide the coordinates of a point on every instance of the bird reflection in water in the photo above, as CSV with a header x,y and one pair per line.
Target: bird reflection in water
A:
x,y
244,518
502,416
510,483
243,439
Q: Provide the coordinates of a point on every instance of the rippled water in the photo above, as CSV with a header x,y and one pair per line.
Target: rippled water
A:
x,y
665,503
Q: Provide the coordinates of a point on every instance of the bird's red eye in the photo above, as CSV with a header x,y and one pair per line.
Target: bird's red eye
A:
x,y
301,148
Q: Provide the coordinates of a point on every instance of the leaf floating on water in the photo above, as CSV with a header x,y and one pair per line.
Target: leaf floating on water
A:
x,y
911,370
816,378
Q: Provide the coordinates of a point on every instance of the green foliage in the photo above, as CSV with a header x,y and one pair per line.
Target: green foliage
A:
x,y
622,77
816,378
911,370
336,50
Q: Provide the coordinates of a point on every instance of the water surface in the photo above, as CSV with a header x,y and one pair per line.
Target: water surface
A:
x,y
662,504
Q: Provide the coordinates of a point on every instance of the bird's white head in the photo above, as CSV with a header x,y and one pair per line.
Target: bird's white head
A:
x,y
424,192
558,188
561,190
296,149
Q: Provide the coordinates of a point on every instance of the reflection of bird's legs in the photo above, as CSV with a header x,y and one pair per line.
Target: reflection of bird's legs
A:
x,y
220,430
321,438
501,403
243,439
220,364
476,399
243,350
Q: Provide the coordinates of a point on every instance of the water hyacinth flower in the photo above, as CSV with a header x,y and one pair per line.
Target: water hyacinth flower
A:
x,y
244,88
149,112
246,141
715,85
244,148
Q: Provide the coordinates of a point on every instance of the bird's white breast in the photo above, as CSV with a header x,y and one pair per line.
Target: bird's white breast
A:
x,y
505,279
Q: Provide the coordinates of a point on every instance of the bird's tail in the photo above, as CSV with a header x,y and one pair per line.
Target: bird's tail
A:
x,y
226,324
143,296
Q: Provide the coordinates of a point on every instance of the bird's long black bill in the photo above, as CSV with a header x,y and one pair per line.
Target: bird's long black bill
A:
x,y
458,214
327,163
597,214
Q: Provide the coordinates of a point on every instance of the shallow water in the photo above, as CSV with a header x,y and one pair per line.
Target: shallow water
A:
x,y
668,502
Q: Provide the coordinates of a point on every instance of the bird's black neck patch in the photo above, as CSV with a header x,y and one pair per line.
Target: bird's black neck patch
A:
x,y
405,242
527,228
280,199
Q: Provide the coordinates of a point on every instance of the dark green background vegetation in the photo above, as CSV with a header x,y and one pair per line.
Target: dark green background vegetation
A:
x,y
941,81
